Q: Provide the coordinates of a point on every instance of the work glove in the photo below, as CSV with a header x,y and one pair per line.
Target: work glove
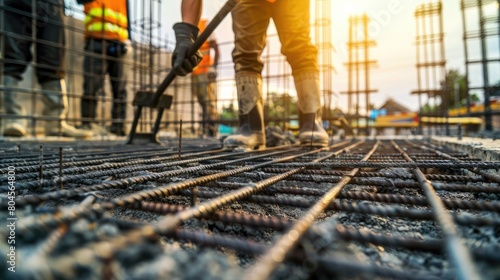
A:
x,y
212,73
185,34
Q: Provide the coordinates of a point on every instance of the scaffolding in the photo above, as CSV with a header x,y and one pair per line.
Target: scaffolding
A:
x,y
484,15
431,63
323,41
359,63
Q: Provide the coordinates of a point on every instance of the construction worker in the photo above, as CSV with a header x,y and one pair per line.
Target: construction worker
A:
x,y
18,22
250,22
106,33
203,83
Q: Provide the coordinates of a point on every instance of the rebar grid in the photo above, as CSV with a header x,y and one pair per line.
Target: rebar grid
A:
x,y
279,198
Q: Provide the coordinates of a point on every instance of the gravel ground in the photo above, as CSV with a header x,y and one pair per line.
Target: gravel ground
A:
x,y
167,257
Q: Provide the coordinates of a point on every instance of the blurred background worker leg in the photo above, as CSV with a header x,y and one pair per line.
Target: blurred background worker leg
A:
x,y
50,43
212,115
94,67
203,79
13,127
204,89
56,107
50,72
17,54
106,33
116,52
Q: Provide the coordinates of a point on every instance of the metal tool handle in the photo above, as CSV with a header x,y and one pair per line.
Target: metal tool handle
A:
x,y
171,75
196,46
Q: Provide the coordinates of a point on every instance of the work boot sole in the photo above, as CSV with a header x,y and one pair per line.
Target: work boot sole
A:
x,y
87,136
243,148
13,132
314,142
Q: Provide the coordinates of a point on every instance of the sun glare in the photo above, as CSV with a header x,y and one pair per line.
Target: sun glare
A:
x,y
352,8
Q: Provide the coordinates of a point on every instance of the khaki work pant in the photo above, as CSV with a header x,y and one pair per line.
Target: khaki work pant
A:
x,y
291,17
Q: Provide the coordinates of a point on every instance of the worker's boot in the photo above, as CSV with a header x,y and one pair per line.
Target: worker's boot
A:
x,y
12,106
56,105
309,105
250,134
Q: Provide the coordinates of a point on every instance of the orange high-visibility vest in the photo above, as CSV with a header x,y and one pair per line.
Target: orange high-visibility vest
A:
x,y
106,19
206,60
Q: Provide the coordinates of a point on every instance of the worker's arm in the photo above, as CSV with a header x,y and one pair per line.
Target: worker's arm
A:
x,y
186,33
191,11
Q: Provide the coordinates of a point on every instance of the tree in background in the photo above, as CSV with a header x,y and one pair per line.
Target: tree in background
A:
x,y
455,87
279,107
229,113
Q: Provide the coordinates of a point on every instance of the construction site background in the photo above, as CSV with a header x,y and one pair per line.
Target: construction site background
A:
x,y
149,59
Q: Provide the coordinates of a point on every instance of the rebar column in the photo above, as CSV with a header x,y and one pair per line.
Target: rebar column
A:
x,y
323,41
488,26
359,45
431,63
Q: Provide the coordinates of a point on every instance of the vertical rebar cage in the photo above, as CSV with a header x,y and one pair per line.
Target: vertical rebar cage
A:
x,y
431,62
358,66
481,31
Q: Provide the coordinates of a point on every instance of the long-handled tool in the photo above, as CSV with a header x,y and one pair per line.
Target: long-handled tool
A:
x,y
164,101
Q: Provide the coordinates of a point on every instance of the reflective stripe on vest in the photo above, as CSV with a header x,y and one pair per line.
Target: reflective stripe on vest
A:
x,y
108,27
109,16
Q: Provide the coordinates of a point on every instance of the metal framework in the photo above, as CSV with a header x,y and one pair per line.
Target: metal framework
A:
x,y
122,213
431,62
359,63
486,33
325,47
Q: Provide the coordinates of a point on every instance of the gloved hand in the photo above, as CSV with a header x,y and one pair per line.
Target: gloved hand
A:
x,y
185,35
212,73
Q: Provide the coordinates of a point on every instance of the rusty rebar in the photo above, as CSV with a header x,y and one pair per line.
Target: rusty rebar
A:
x,y
457,252
276,254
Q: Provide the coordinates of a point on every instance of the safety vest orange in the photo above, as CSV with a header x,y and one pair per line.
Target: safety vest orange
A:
x,y
106,19
206,60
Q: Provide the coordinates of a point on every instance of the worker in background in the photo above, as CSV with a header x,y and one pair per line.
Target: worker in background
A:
x,y
203,83
250,21
49,46
106,33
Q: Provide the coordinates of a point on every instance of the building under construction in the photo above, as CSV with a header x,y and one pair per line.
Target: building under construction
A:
x,y
168,201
